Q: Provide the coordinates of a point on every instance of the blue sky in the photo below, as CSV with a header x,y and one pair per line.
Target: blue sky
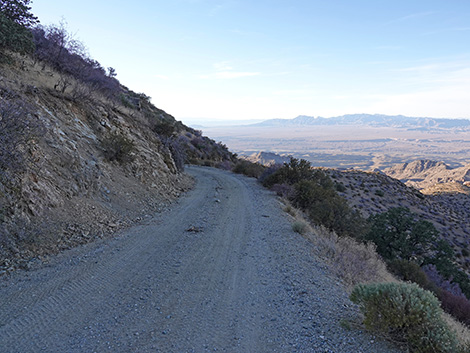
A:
x,y
259,59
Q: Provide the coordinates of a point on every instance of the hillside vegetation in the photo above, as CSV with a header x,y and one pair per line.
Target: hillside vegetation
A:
x,y
379,212
80,154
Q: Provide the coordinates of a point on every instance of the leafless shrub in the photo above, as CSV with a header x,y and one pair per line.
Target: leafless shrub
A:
x,y
357,262
352,261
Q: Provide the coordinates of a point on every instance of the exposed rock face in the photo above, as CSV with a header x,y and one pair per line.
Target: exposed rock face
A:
x,y
67,191
423,174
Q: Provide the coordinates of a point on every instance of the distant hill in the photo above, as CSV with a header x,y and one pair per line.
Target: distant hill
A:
x,y
267,158
424,174
376,120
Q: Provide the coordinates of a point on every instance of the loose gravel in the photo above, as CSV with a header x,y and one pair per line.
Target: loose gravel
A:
x,y
220,271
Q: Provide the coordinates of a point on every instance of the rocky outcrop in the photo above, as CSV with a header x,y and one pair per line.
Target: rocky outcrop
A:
x,y
267,158
85,167
425,174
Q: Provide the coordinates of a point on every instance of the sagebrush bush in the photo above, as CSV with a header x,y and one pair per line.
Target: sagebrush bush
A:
x,y
407,313
299,227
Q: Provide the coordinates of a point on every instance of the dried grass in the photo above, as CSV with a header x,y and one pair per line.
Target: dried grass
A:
x,y
350,260
462,331
356,263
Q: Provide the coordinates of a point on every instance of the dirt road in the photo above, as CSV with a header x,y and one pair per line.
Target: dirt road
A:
x,y
220,271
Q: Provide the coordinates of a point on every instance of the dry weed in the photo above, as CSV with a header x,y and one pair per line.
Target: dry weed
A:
x,y
462,331
350,260
357,263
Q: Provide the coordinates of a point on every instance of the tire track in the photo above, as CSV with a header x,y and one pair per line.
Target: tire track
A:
x,y
245,283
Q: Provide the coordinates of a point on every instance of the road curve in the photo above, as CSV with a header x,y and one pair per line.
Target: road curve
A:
x,y
221,271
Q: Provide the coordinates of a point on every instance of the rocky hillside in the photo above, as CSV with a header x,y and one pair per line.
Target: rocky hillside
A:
x,y
372,193
74,168
266,158
424,174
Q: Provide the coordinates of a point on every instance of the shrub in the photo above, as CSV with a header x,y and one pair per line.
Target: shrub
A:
x,y
407,313
55,46
456,305
340,187
313,191
445,266
399,235
283,190
325,207
290,173
299,227
434,276
379,193
164,128
410,271
225,165
118,148
248,168
356,262
267,173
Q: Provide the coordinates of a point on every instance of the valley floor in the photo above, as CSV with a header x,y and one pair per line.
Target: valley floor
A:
x,y
221,271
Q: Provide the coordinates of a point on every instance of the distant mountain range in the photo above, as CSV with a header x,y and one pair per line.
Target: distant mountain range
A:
x,y
376,120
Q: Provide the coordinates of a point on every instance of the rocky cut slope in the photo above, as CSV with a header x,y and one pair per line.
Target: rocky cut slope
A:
x,y
76,167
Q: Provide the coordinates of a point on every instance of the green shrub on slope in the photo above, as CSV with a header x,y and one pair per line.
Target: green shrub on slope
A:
x,y
406,313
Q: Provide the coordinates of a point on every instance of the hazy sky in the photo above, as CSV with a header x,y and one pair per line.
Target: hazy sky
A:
x,y
260,59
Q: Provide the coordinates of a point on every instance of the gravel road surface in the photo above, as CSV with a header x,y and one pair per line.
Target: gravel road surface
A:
x,y
220,271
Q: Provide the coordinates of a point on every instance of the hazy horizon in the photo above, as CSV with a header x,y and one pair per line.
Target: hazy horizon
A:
x,y
205,122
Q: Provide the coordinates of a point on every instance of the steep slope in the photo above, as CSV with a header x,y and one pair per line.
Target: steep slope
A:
x,y
372,193
75,169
